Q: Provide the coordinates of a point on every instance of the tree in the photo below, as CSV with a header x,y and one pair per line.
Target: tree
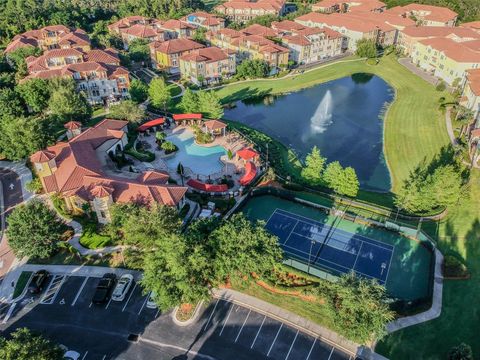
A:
x,y
127,110
66,103
445,185
138,91
251,69
461,352
35,93
241,247
360,306
332,173
35,186
159,93
199,35
174,274
265,20
21,136
18,57
314,165
210,105
34,230
366,48
348,184
189,102
26,345
138,50
10,103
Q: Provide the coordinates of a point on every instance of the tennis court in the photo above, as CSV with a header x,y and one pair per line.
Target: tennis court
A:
x,y
330,248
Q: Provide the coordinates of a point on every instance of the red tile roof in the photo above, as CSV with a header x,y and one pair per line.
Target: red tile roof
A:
x,y
473,79
454,50
427,12
207,187
214,124
256,29
79,171
208,54
176,46
72,125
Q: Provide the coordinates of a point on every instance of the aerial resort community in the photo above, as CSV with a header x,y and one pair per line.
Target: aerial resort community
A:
x,y
203,179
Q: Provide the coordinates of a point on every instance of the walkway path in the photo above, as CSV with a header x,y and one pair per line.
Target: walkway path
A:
x,y
436,307
421,73
448,122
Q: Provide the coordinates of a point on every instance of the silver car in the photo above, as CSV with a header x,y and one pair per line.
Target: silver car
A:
x,y
122,287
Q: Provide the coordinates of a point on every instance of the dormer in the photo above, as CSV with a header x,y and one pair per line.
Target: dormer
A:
x,y
44,163
74,128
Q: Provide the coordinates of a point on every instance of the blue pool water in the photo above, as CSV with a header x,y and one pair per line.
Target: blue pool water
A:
x,y
200,159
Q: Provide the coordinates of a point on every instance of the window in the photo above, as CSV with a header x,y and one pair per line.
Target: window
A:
x,y
102,214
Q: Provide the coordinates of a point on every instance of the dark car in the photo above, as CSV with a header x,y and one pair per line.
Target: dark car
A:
x,y
38,282
104,289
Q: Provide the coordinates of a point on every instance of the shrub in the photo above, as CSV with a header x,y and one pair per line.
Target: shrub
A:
x,y
169,147
441,86
453,267
461,352
34,186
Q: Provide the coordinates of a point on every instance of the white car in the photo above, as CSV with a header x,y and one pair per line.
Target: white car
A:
x,y
123,285
151,304
71,355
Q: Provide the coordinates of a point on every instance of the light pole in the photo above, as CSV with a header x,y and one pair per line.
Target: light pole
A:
x,y
310,255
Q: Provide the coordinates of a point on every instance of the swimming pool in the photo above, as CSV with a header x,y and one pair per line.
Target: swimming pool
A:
x,y
200,159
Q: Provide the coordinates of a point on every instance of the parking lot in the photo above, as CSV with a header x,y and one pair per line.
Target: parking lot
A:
x,y
128,329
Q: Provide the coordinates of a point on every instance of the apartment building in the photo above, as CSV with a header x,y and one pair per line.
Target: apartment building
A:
x,y
205,20
98,73
243,10
343,6
51,37
447,59
207,65
471,94
426,15
166,55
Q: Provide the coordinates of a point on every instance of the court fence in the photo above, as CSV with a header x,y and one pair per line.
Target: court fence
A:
x,y
401,306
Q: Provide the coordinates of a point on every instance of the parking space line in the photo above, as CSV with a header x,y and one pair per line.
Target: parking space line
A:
x,y
258,332
331,352
276,336
53,289
156,315
211,314
144,303
244,321
80,291
291,346
226,320
109,301
84,356
131,293
311,349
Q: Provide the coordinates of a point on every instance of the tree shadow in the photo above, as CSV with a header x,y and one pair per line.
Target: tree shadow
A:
x,y
246,93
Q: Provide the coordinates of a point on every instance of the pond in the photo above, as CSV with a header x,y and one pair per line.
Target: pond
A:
x,y
343,118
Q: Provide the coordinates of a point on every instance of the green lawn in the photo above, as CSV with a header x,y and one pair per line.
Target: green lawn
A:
x,y
174,89
21,283
92,238
415,128
459,322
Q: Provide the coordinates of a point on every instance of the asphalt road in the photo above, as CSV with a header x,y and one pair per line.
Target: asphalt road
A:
x,y
130,330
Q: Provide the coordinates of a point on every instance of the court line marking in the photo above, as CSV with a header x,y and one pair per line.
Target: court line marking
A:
x,y
226,320
244,321
80,291
311,349
276,336
358,255
144,303
126,303
296,216
301,259
291,346
389,263
331,352
84,356
109,301
211,315
348,269
258,332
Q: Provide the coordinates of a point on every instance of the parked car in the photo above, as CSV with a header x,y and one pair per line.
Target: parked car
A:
x,y
122,287
38,281
71,355
151,304
104,289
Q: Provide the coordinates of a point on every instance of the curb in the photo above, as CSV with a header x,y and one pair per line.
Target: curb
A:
x,y
189,321
24,292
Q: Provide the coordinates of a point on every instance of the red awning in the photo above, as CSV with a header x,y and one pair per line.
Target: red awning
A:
x,y
247,154
206,187
180,117
250,172
151,123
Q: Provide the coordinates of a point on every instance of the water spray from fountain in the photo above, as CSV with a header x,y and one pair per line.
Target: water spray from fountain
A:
x,y
322,117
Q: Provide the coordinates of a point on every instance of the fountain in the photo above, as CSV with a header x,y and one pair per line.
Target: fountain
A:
x,y
323,115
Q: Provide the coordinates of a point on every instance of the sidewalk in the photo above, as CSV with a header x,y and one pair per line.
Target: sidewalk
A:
x,y
448,123
289,318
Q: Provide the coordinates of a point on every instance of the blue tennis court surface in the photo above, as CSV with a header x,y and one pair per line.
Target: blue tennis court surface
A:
x,y
330,248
